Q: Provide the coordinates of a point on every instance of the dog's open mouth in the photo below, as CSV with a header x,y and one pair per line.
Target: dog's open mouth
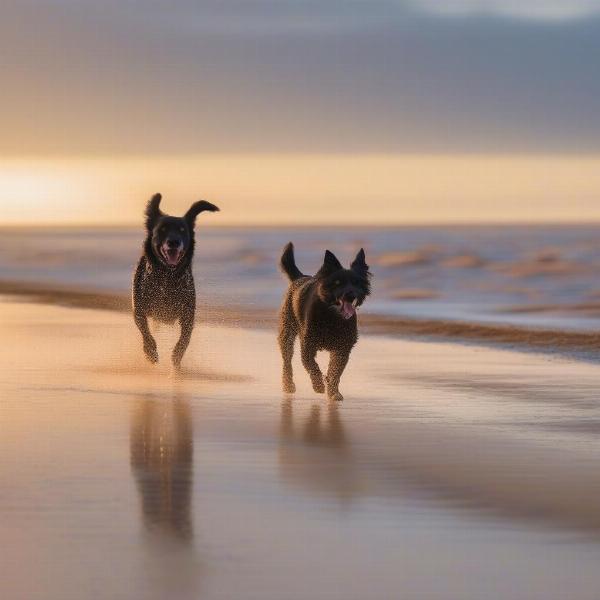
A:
x,y
346,307
172,256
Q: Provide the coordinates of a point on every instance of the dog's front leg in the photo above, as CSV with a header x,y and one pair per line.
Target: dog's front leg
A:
x,y
141,320
286,345
187,326
338,360
308,352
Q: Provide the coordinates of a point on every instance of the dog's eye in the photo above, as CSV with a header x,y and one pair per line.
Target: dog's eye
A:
x,y
337,282
182,229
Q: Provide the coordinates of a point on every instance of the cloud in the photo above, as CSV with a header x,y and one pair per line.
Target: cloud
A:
x,y
255,17
297,76
536,10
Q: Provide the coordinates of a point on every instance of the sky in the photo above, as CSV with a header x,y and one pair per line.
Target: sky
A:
x,y
123,97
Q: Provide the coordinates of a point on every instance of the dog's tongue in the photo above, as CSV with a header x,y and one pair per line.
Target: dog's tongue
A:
x,y
348,311
172,257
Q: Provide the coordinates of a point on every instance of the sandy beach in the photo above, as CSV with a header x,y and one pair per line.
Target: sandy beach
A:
x,y
450,471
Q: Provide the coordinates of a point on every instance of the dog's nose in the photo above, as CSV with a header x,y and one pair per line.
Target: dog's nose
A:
x,y
350,296
172,243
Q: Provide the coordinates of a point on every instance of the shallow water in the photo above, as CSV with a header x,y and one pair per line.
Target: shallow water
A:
x,y
448,471
538,276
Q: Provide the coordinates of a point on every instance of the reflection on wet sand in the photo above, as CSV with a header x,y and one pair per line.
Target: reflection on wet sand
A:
x,y
399,488
162,449
315,451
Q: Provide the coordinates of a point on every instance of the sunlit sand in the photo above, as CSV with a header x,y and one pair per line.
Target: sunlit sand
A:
x,y
448,472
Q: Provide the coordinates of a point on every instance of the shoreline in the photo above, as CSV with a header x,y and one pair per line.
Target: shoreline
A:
x,y
513,337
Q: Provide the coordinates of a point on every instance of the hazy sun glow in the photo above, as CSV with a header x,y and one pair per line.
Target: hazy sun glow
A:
x,y
305,189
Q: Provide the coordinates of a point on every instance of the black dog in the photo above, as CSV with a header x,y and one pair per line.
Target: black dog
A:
x,y
163,285
322,311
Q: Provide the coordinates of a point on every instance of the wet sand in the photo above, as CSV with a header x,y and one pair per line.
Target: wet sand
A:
x,y
448,472
551,341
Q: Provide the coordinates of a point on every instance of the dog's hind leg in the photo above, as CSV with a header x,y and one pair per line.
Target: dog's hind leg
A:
x,y
149,343
187,326
308,352
286,338
338,359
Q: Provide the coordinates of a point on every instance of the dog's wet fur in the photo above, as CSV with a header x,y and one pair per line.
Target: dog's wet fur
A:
x,y
163,285
321,310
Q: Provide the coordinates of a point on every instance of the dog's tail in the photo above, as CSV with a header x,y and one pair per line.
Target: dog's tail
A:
x,y
288,263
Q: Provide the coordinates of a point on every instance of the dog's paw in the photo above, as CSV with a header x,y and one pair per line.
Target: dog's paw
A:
x,y
318,386
151,353
334,396
176,373
289,387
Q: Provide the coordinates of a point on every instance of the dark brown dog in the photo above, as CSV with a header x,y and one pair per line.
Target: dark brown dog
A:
x,y
163,285
322,311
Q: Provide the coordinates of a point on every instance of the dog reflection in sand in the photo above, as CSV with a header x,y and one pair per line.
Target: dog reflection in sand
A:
x,y
315,452
162,451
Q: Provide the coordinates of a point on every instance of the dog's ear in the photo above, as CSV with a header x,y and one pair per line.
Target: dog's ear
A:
x,y
196,208
359,264
153,211
330,265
